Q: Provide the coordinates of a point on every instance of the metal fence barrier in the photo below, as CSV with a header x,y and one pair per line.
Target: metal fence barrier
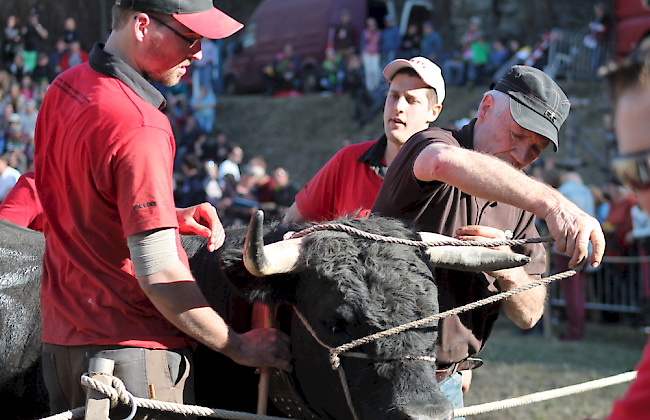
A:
x,y
620,284
569,57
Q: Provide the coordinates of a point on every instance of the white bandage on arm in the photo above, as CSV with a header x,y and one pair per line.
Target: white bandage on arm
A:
x,y
152,251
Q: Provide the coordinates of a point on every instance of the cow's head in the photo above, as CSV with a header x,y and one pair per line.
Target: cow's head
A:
x,y
346,288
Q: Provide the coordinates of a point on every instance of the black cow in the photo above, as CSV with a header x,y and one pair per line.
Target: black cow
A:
x,y
346,287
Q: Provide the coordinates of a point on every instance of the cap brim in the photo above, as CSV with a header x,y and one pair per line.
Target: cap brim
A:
x,y
531,120
213,23
394,67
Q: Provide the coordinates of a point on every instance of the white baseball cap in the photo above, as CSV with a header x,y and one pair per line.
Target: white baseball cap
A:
x,y
428,71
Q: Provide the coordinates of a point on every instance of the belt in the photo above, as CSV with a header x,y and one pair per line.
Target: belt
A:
x,y
446,370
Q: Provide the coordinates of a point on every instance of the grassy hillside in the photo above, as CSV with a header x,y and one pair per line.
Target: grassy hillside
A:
x,y
302,133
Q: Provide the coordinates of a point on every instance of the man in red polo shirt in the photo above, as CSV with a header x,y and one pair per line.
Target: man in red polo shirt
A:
x,y
350,181
116,282
22,206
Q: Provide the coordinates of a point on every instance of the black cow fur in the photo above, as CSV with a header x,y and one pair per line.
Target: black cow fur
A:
x,y
351,287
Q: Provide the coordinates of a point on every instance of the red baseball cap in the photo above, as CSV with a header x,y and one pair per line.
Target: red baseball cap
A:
x,y
199,16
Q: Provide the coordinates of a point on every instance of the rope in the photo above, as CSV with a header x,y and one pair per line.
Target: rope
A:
x,y
334,353
118,392
546,395
419,244
77,413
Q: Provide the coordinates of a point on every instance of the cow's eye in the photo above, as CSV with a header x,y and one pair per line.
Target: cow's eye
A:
x,y
338,327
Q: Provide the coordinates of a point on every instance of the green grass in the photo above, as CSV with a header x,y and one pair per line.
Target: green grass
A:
x,y
517,365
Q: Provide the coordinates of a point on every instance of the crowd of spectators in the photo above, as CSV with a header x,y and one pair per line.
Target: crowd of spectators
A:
x,y
207,165
627,234
27,67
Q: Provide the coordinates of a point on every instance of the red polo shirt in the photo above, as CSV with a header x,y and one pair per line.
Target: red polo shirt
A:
x,y
103,159
347,184
22,206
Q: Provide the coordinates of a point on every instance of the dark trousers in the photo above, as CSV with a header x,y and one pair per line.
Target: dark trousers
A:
x,y
166,375
573,298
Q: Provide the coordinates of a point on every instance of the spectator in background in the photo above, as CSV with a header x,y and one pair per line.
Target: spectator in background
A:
x,y
213,190
221,147
22,205
239,203
476,66
34,35
410,46
284,191
12,40
370,57
205,66
73,56
203,106
192,188
8,175
43,69
498,55
264,184
178,98
345,36
333,73
598,38
17,68
355,85
619,219
283,72
70,31
454,68
574,189
601,203
28,118
230,166
431,44
56,55
390,40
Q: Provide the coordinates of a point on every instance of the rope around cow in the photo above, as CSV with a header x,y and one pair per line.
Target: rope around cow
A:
x,y
118,391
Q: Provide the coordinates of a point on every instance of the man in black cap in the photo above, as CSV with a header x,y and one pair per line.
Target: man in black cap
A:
x,y
469,184
116,283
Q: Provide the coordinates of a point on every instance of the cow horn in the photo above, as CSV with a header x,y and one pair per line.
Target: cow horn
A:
x,y
264,260
474,259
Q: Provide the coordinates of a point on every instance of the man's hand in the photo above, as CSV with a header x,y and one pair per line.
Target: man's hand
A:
x,y
260,347
572,230
525,308
485,233
202,220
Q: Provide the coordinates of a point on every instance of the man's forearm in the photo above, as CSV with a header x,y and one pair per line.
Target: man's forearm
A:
x,y
525,308
176,295
486,177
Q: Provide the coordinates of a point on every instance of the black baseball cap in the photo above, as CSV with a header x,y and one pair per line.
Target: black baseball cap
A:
x,y
199,16
537,103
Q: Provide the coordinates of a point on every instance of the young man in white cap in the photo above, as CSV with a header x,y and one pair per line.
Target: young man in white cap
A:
x,y
349,182
116,283
468,183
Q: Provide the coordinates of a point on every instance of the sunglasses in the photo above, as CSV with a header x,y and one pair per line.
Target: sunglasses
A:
x,y
190,41
633,170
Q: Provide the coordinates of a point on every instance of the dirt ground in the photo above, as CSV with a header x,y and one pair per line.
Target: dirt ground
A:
x,y
303,133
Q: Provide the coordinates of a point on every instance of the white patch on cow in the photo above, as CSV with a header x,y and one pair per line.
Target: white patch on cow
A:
x,y
90,300
14,328
17,278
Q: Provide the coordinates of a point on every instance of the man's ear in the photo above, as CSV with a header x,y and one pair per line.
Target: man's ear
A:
x,y
485,107
434,112
141,26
